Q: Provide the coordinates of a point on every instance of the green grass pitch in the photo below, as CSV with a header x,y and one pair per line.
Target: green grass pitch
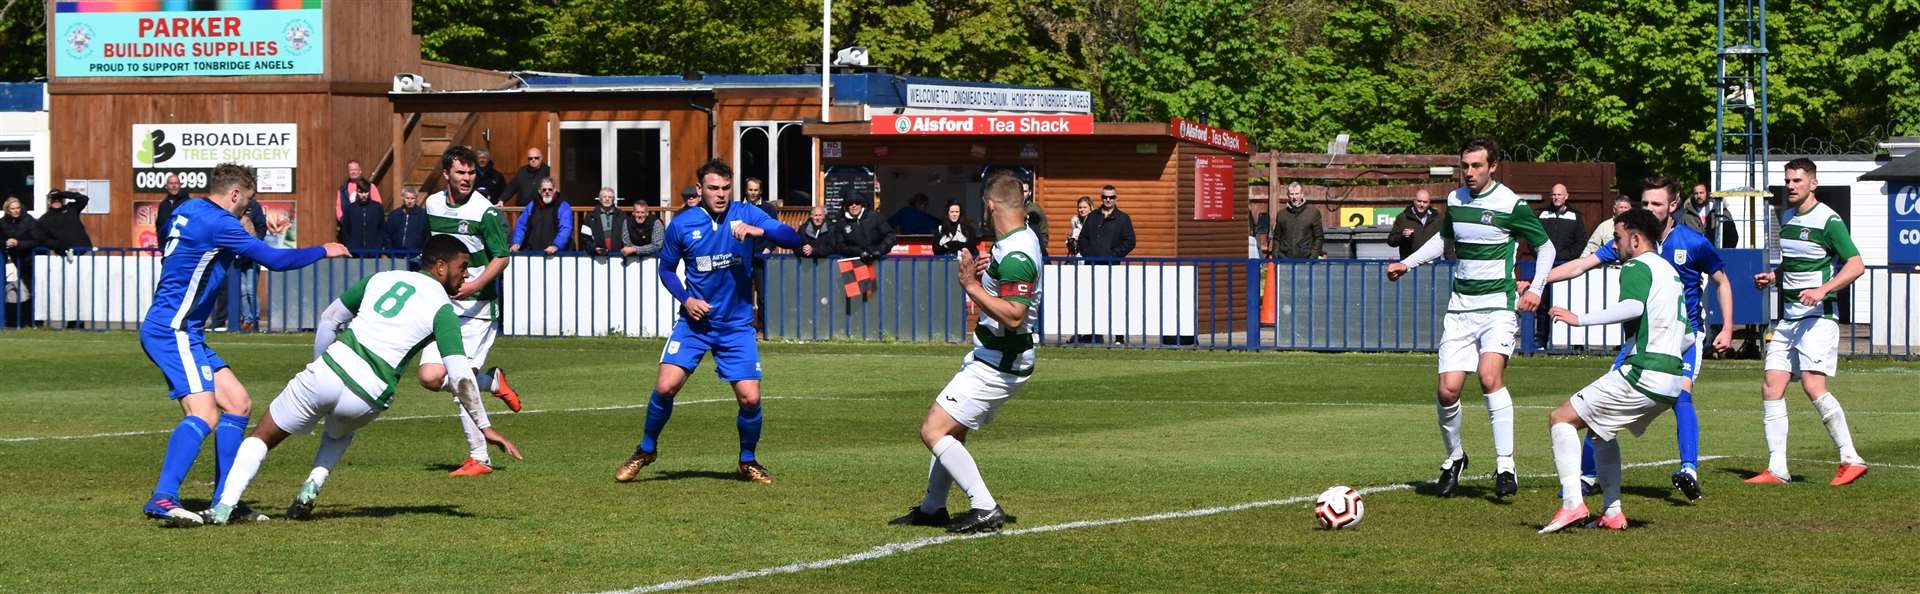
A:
x,y
1098,444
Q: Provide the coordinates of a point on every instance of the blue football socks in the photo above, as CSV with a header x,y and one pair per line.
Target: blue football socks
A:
x,y
659,409
749,424
227,437
182,449
1686,430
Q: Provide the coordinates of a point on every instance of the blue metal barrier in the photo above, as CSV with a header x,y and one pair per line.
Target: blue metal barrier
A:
x,y
1177,303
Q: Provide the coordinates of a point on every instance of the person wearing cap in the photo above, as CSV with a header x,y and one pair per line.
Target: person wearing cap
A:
x,y
60,229
689,197
859,232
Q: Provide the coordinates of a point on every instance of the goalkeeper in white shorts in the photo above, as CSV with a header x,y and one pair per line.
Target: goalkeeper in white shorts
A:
x,y
363,341
1652,307
1007,290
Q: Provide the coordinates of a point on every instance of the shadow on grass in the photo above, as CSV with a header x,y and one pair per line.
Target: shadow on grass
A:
x,y
388,511
674,475
1747,474
1669,495
443,467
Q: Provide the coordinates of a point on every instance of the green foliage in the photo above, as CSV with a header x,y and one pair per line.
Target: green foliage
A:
x,y
23,40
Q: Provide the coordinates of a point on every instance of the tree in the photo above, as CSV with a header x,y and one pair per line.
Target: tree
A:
x,y
23,40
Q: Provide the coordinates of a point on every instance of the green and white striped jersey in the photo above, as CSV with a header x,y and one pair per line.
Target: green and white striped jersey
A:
x,y
1657,340
1483,227
1812,245
1014,275
395,314
475,223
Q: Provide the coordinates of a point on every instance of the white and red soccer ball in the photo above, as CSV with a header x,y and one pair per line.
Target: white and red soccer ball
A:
x,y
1339,507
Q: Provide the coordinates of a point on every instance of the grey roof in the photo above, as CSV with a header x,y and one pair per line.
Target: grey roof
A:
x,y
1904,168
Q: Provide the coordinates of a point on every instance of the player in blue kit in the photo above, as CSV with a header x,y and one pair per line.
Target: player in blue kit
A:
x,y
1693,256
203,238
715,244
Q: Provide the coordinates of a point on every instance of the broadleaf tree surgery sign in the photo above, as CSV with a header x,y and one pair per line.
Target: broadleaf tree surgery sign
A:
x,y
97,39
971,125
1903,222
192,150
999,99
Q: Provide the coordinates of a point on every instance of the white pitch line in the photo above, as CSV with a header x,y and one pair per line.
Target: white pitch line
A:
x,y
891,549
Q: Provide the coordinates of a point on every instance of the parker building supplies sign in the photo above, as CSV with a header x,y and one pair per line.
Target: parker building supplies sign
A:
x,y
192,150
188,38
999,99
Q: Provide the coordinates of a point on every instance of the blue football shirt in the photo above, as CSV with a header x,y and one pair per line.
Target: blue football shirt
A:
x,y
1691,255
716,267
202,241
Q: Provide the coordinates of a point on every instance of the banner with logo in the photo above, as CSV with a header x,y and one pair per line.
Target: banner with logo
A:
x,y
188,38
190,151
981,124
1212,188
998,98
1903,222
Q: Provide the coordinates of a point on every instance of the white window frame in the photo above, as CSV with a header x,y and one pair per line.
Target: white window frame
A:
x,y
772,128
610,151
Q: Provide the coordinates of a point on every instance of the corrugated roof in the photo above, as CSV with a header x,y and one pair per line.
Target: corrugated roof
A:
x,y
870,88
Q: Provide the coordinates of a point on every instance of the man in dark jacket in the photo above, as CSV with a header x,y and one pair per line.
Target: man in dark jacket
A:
x,y
1108,232
859,232
1566,232
60,228
644,235
360,225
355,179
603,229
546,225
407,226
161,223
525,187
1709,217
1297,228
487,180
1415,225
818,233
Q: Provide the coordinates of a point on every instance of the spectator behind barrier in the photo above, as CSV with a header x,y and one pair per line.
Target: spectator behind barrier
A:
x,y
354,174
818,233
525,187
859,233
545,225
956,232
17,232
488,181
407,225
913,219
60,228
362,223
602,228
644,234
1036,216
1081,209
1563,226
162,219
1297,230
1604,233
1108,232
1415,225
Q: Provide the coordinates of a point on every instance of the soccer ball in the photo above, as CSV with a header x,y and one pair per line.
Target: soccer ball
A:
x,y
1339,507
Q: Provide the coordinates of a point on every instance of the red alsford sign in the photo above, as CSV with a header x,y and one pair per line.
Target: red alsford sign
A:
x,y
1220,138
1212,188
974,125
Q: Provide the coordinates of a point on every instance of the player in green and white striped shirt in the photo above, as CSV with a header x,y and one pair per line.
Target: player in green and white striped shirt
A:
x,y
382,322
1653,307
1805,343
1481,326
462,213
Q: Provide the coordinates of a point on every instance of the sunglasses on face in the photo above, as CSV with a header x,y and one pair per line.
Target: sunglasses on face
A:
x,y
533,158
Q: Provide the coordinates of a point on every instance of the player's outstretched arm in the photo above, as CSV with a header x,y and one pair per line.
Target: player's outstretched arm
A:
x,y
1435,247
1621,311
1573,268
332,320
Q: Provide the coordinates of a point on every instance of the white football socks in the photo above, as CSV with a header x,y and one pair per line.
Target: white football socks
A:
x,y
937,483
1500,415
476,441
1450,429
1566,462
1836,420
1606,459
954,456
246,463
324,459
1774,418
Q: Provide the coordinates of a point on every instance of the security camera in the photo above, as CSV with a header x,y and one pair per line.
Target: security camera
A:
x,y
407,82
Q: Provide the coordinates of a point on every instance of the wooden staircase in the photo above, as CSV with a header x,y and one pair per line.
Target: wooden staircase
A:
x,y
427,136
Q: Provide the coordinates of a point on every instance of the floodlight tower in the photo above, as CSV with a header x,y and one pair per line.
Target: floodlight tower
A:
x,y
1742,98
